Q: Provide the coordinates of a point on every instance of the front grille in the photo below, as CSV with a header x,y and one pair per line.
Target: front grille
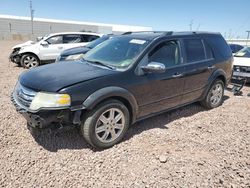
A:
x,y
242,69
24,95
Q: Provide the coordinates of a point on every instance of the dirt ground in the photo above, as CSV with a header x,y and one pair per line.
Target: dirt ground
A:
x,y
188,147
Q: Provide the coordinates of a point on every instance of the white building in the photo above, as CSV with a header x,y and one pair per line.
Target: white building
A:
x,y
19,28
243,42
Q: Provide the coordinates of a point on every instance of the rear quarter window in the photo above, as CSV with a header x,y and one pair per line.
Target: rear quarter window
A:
x,y
220,47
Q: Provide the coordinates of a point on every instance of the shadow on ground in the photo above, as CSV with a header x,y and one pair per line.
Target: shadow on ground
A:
x,y
72,139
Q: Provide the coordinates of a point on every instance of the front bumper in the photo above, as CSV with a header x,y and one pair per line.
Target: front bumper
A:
x,y
241,75
44,118
15,57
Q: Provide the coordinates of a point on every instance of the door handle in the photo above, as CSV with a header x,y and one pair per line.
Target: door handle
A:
x,y
210,67
177,75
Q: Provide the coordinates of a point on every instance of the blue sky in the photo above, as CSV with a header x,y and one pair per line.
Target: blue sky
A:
x,y
228,17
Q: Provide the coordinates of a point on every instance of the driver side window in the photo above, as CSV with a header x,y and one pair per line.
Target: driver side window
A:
x,y
166,53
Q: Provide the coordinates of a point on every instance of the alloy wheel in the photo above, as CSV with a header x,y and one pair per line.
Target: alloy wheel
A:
x,y
110,125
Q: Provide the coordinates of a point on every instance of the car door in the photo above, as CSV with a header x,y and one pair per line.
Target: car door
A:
x,y
71,41
199,65
51,49
160,91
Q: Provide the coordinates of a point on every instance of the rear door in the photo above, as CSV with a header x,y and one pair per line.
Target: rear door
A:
x,y
199,66
71,41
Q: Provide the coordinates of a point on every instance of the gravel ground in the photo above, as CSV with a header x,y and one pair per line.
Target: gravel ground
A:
x,y
188,147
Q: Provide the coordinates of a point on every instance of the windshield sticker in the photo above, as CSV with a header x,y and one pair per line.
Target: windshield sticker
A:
x,y
137,41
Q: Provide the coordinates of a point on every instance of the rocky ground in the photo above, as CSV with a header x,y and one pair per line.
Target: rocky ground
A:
x,y
188,147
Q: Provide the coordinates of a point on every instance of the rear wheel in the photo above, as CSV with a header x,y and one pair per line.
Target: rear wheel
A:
x,y
214,97
29,61
106,125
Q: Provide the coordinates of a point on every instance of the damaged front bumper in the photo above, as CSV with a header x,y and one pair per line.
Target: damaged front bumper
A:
x,y
15,57
47,118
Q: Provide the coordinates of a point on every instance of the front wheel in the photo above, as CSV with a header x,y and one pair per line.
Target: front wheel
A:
x,y
29,61
214,97
106,124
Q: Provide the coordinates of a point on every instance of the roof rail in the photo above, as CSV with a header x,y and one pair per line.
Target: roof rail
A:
x,y
164,32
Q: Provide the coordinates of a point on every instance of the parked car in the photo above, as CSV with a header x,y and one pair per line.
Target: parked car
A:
x,y
123,80
242,64
32,54
235,47
78,52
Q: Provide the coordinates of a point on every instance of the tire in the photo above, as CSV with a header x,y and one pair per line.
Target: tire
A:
x,y
214,97
29,61
104,135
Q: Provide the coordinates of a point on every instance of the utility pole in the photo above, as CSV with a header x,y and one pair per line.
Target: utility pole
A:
x,y
191,25
31,16
248,34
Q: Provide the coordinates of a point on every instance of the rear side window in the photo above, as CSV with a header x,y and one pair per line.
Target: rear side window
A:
x,y
89,38
71,39
219,46
209,53
194,50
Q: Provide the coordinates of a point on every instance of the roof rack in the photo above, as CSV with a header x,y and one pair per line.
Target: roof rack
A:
x,y
163,32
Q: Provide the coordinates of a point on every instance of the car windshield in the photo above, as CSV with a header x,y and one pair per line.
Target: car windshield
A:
x,y
245,52
119,52
97,42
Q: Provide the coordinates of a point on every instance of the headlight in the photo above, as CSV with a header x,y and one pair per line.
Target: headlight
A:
x,y
74,57
50,100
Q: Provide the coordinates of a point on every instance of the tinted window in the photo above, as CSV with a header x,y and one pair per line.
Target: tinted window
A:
x,y
209,53
219,46
71,39
166,53
89,38
194,50
55,40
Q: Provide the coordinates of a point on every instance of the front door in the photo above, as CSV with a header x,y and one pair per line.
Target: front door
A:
x,y
51,50
160,91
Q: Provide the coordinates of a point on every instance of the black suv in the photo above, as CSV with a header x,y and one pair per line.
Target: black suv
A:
x,y
126,79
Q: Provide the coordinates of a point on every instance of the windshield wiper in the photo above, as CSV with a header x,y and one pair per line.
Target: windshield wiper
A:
x,y
100,63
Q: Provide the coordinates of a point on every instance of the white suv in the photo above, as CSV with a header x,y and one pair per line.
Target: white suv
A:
x,y
32,54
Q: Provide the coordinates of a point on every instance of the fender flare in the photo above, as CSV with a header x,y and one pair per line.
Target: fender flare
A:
x,y
112,92
216,74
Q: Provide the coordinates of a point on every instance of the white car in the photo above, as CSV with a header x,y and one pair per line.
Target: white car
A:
x,y
32,54
242,64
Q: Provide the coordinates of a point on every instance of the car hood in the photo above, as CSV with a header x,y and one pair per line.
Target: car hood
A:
x,y
76,50
242,61
54,77
28,43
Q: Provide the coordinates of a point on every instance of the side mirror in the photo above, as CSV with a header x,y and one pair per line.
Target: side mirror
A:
x,y
44,43
154,67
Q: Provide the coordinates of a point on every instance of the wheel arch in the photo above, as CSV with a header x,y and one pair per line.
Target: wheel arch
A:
x,y
27,53
217,74
113,92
